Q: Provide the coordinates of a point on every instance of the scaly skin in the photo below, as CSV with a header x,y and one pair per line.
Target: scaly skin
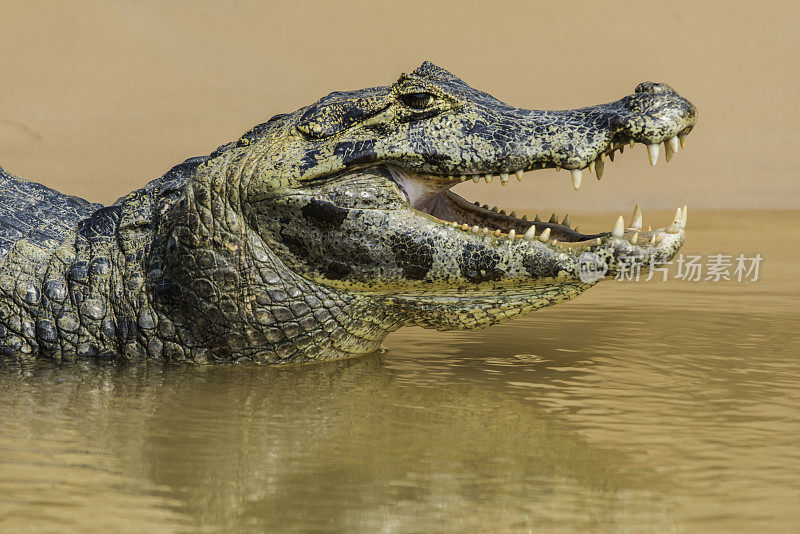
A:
x,y
319,232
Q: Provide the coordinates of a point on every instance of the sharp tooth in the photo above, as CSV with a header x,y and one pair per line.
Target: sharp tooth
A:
x,y
513,214
544,236
512,234
553,218
576,229
671,146
494,209
504,178
611,155
566,221
529,235
577,176
632,143
477,203
519,175
683,216
558,169
619,228
682,140
621,149
634,238
476,178
524,217
598,241
488,178
554,242
463,177
636,220
475,230
653,240
537,219
652,153
599,167
591,166
649,228
676,223
502,212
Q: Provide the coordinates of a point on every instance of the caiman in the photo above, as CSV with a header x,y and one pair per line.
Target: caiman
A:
x,y
319,232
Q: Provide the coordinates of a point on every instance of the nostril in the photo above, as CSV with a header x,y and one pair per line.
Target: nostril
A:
x,y
647,87
653,87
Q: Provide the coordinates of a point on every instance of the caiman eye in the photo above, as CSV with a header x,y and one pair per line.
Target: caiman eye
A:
x,y
417,100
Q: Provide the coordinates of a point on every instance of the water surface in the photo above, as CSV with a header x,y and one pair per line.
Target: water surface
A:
x,y
649,407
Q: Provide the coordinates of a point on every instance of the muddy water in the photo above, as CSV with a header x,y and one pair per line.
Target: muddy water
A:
x,y
649,407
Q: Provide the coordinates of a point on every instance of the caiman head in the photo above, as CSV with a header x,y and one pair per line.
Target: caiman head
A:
x,y
353,194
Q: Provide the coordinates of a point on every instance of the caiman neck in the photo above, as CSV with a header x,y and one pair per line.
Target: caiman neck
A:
x,y
224,295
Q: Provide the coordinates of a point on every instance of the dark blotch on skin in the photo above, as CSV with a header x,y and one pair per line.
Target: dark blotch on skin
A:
x,y
413,257
337,271
477,266
324,215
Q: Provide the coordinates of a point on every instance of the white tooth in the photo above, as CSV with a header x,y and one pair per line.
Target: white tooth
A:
x,y
682,140
566,221
671,145
519,175
529,235
653,240
652,153
598,241
504,178
475,229
512,234
476,178
497,233
632,143
599,167
683,216
488,178
577,175
634,238
544,236
513,214
554,242
524,217
465,226
454,224
485,231
619,228
463,177
591,166
636,220
676,223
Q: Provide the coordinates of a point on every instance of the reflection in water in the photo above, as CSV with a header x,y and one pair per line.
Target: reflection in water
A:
x,y
657,407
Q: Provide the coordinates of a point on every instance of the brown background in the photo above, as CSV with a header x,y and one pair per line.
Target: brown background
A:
x,y
99,97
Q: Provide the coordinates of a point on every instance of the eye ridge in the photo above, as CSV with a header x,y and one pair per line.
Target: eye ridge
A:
x,y
420,100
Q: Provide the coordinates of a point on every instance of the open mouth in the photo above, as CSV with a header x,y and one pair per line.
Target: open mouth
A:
x,y
431,195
